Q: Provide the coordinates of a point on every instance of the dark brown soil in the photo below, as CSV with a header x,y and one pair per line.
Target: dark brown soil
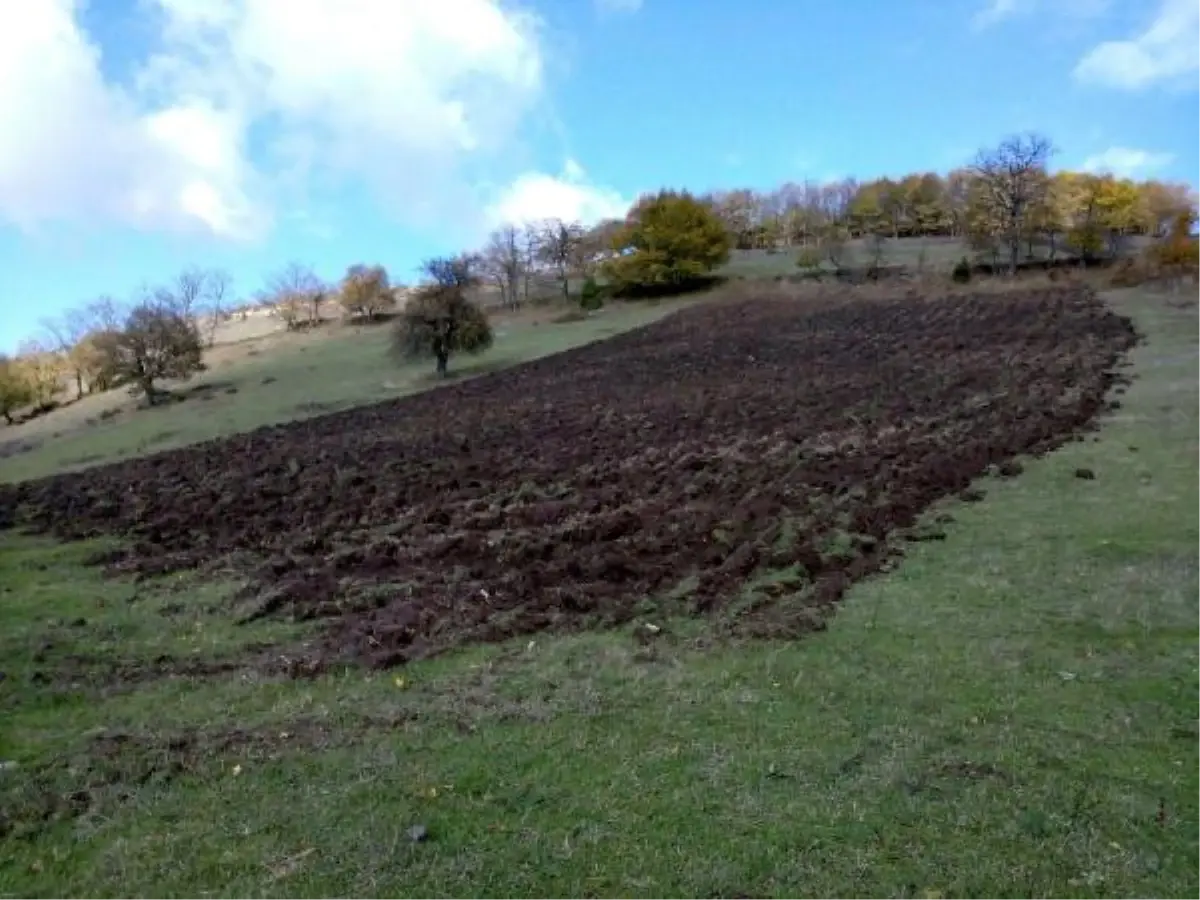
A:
x,y
718,444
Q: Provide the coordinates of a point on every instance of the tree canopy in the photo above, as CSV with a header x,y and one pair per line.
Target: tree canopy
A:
x,y
366,291
157,342
15,389
439,319
669,240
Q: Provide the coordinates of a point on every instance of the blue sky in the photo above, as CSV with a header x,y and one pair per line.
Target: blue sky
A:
x,y
138,137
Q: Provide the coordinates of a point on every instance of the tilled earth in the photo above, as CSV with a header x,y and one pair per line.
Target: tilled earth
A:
x,y
683,462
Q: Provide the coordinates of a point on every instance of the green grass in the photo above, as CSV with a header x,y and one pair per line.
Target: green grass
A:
x,y
940,255
348,369
936,254
1010,712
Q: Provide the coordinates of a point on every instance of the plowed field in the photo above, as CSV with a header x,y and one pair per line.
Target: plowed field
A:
x,y
720,444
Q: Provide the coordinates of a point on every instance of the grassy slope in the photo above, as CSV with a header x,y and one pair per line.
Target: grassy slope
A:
x,y
934,254
343,370
1010,712
940,255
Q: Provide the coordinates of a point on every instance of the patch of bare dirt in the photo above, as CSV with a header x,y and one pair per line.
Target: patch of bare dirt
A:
x,y
561,493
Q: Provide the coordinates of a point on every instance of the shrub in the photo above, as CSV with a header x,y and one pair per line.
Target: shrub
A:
x,y
591,297
962,271
1179,253
809,260
1130,273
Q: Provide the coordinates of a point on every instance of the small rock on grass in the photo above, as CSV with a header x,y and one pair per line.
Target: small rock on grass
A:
x,y
418,834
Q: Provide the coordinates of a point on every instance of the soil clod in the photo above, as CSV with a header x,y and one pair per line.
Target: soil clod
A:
x,y
562,493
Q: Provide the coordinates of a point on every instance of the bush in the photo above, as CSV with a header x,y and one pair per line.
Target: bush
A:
x,y
1131,273
809,260
1178,255
591,297
962,271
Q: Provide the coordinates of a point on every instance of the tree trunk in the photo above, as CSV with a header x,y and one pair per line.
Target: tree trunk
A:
x,y
149,391
78,385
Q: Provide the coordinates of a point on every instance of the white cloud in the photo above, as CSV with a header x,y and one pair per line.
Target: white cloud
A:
x,y
407,97
1168,49
569,196
1126,161
995,11
618,6
73,146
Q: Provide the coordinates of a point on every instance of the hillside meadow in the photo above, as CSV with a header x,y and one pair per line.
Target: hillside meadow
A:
x,y
1007,707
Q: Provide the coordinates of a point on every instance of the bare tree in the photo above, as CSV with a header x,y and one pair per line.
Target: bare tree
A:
x,y
740,212
877,250
834,199
503,261
560,249
1012,179
834,245
601,235
460,272
104,314
183,295
66,332
94,355
531,253
199,295
295,294
214,301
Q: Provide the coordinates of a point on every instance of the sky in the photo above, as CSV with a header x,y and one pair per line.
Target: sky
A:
x,y
140,137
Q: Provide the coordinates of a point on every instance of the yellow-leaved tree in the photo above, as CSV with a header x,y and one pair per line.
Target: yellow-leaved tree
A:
x,y
670,241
